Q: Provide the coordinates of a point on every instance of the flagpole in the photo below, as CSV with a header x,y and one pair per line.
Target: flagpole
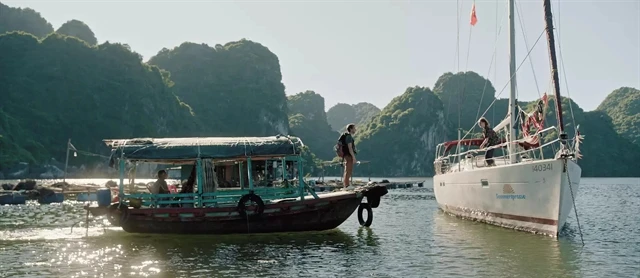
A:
x,y
66,162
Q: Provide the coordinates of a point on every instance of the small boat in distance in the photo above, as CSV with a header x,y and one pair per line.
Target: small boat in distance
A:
x,y
524,189
267,194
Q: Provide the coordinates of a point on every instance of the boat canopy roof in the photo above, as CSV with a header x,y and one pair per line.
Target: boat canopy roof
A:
x,y
166,149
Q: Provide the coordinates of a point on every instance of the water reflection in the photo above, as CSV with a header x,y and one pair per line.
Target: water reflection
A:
x,y
510,253
366,235
224,255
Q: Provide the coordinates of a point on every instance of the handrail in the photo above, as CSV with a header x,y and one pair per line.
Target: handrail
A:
x,y
492,147
537,133
484,150
500,146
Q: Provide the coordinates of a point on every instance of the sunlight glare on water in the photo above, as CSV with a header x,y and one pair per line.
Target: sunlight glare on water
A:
x,y
409,237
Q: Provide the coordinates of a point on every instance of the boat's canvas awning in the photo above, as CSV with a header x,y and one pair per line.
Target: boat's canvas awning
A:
x,y
203,147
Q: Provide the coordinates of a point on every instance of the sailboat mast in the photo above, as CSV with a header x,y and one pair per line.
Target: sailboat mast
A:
x,y
554,65
512,81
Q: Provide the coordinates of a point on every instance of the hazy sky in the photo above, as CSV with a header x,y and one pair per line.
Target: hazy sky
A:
x,y
354,51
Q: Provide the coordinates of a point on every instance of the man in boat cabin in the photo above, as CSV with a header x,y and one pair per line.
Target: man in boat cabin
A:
x,y
490,139
160,186
349,150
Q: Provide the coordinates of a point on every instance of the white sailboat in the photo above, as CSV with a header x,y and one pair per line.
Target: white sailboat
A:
x,y
523,190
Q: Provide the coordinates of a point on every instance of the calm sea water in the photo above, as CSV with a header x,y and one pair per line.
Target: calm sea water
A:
x,y
409,237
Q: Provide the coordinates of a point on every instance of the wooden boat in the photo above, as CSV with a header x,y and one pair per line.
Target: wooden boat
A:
x,y
254,206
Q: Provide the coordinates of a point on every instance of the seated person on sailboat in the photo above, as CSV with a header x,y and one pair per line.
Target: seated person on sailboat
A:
x,y
490,139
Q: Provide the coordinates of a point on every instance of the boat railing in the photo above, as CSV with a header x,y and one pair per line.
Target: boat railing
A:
x,y
443,162
208,199
209,194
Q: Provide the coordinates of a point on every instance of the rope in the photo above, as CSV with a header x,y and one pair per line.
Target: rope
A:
x,y
457,59
493,62
526,44
573,118
505,86
573,199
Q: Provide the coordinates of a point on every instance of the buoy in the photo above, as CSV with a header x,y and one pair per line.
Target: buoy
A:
x,y
104,197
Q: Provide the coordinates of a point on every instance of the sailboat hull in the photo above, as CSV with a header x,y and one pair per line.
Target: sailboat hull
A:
x,y
529,196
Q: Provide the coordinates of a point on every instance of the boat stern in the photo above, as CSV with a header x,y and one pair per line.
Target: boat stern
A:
x,y
373,193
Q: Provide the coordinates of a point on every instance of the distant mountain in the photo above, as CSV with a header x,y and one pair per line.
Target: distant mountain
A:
x,y
56,86
234,89
401,140
308,121
61,88
25,20
342,114
78,29
623,107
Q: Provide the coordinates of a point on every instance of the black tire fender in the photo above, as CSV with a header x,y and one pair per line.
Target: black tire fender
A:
x,y
361,220
242,210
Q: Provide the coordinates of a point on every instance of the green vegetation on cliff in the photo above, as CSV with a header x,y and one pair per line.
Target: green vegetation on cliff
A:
x,y
234,90
401,140
623,106
61,88
78,29
365,112
464,94
56,86
308,121
342,114
602,145
26,20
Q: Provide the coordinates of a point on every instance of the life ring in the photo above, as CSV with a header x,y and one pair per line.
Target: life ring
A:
x,y
361,220
253,198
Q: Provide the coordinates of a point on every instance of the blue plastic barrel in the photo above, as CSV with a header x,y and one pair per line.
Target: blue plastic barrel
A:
x,y
85,197
104,197
53,198
12,199
19,199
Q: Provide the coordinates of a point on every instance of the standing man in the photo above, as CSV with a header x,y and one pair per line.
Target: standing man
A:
x,y
349,153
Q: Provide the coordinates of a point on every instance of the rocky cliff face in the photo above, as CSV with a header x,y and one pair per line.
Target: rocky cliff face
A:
x,y
623,107
234,90
60,88
401,140
342,114
309,122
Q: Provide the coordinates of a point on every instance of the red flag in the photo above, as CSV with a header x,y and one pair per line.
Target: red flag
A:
x,y
544,98
474,19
